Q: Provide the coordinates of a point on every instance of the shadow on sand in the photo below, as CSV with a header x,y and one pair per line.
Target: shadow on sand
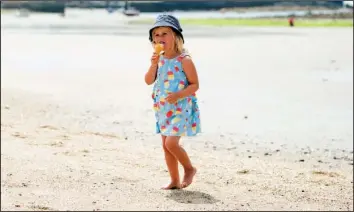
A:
x,y
191,197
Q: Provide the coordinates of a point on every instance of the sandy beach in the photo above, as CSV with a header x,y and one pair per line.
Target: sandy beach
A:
x,y
77,125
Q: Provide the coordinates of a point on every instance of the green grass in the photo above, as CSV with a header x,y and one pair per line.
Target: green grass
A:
x,y
260,22
5,11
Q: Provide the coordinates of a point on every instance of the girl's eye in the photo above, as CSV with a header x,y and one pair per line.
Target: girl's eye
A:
x,y
162,34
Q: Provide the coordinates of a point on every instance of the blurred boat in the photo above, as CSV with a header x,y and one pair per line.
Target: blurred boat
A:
x,y
130,11
348,4
22,12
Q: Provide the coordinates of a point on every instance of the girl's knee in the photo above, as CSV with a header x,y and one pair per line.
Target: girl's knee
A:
x,y
164,146
163,139
171,143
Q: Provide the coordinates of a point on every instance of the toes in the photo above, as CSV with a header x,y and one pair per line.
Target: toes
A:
x,y
171,187
184,185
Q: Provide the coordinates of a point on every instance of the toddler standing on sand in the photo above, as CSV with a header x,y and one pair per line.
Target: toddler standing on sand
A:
x,y
175,102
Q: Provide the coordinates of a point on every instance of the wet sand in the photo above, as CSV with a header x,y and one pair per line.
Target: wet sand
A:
x,y
77,125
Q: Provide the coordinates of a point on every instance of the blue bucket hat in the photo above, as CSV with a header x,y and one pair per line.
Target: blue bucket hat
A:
x,y
167,21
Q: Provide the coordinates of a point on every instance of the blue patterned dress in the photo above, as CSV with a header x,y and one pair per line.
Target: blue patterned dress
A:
x,y
181,118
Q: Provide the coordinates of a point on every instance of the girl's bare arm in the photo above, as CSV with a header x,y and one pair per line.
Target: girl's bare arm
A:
x,y
150,76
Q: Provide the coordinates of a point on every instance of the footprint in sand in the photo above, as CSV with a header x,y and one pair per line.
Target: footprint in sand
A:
x,y
56,144
43,208
124,180
6,125
48,127
105,135
19,135
245,171
323,173
67,153
64,137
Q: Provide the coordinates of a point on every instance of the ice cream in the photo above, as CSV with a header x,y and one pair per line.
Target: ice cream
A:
x,y
189,101
181,85
194,127
156,107
166,83
178,110
175,120
162,101
175,129
176,68
159,48
170,75
161,63
169,114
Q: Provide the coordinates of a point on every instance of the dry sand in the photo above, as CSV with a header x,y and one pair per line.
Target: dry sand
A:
x,y
77,126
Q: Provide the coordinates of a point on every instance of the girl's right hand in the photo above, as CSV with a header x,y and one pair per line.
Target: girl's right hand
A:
x,y
155,59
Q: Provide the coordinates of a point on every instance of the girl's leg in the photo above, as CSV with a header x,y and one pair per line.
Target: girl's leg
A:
x,y
172,165
172,145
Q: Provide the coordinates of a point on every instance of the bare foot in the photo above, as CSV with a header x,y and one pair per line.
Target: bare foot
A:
x,y
188,177
172,186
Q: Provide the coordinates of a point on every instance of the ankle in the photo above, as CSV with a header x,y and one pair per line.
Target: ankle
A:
x,y
175,181
188,169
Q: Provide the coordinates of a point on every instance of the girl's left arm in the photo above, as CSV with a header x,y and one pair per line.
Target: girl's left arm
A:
x,y
192,77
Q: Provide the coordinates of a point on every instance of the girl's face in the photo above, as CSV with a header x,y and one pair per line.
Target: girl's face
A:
x,y
165,36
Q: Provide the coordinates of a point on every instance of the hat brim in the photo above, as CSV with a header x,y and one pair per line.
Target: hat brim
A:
x,y
164,24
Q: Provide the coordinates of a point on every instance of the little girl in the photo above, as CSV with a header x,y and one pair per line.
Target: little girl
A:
x,y
175,102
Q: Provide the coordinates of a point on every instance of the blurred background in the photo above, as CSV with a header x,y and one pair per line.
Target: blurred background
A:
x,y
45,14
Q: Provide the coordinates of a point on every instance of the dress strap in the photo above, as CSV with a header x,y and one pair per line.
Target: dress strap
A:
x,y
181,56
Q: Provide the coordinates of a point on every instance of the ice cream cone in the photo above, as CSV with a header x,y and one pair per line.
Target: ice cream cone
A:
x,y
181,85
159,48
178,110
166,83
175,129
175,120
194,127
170,75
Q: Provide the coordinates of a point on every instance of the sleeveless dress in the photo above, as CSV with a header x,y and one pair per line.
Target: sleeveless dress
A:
x,y
183,117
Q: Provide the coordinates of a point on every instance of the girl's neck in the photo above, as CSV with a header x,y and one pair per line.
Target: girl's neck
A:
x,y
171,55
